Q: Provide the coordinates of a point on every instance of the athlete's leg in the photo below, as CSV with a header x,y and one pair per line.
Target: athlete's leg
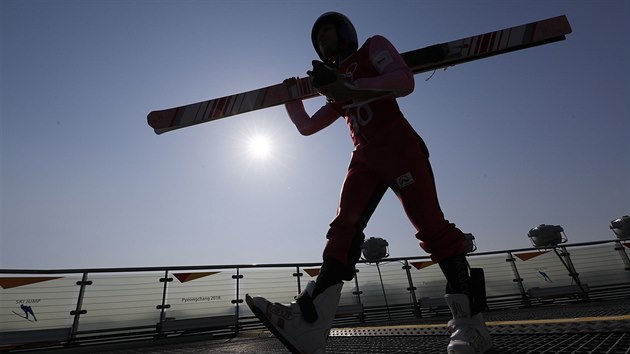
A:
x,y
411,177
303,325
361,192
415,186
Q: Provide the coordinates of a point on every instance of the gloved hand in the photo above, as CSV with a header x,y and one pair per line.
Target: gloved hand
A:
x,y
326,80
322,74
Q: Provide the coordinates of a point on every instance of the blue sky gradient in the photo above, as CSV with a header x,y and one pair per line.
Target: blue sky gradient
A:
x,y
531,137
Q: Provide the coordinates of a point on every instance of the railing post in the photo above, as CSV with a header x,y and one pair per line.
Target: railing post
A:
x,y
566,261
79,311
164,305
384,293
622,253
298,275
518,279
358,291
238,276
412,289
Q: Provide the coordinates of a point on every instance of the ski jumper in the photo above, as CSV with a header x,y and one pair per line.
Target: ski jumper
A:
x,y
388,154
362,85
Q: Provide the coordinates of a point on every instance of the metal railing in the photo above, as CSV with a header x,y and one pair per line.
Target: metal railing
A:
x,y
76,307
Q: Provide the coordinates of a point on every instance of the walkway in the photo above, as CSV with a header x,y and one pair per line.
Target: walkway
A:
x,y
594,327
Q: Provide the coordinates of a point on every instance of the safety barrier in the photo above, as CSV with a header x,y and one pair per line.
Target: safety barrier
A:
x,y
70,307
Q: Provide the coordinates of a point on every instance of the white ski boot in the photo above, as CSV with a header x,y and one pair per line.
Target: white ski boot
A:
x,y
288,324
469,334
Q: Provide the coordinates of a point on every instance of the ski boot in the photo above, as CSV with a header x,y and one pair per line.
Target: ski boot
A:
x,y
469,334
303,325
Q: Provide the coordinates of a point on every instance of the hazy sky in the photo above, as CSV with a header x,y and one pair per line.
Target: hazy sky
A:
x,y
531,137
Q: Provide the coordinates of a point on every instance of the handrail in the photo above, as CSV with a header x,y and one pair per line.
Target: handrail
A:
x,y
269,265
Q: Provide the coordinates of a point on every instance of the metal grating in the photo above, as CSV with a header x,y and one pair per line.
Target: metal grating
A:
x,y
585,325
594,343
577,343
609,335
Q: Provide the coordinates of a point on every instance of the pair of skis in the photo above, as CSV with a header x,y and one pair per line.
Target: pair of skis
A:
x,y
420,60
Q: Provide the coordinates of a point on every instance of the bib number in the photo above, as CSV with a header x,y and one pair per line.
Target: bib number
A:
x,y
362,117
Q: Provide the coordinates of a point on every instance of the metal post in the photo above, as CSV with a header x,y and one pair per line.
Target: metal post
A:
x,y
79,311
623,255
237,301
358,292
518,279
163,306
566,261
356,285
412,289
298,275
384,294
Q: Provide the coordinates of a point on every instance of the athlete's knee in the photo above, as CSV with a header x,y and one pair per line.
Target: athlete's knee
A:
x,y
344,244
337,271
443,242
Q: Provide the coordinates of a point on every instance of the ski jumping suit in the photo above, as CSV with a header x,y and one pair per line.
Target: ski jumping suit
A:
x,y
388,154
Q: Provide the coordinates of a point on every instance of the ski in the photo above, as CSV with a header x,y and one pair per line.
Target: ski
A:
x,y
420,60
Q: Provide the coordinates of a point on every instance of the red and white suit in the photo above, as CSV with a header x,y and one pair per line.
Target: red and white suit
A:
x,y
388,154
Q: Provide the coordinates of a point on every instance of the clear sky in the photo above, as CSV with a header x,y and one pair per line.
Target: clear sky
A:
x,y
531,137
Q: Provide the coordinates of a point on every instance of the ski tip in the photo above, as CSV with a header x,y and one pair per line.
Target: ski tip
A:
x,y
159,120
552,28
566,24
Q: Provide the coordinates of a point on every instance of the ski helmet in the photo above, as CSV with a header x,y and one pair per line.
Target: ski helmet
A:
x,y
346,33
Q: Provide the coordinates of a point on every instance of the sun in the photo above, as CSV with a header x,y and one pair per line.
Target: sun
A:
x,y
260,147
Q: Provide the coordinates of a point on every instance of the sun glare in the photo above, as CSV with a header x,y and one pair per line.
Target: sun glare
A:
x,y
260,147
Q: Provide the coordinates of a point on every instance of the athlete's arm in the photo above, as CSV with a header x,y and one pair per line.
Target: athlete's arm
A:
x,y
307,125
395,75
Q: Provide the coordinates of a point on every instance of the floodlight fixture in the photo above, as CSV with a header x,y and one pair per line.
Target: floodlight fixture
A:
x,y
375,249
469,243
621,226
543,236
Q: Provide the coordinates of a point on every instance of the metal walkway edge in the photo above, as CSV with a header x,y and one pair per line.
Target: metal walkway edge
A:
x,y
560,325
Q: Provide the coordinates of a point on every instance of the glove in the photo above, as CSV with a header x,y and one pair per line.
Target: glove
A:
x,y
322,74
